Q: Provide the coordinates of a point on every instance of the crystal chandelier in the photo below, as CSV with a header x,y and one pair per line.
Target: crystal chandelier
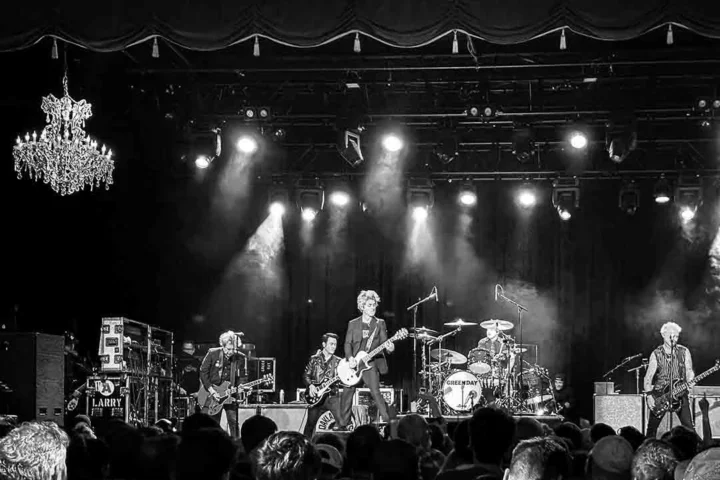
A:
x,y
64,155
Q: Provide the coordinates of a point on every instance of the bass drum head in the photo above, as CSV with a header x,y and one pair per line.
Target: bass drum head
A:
x,y
461,391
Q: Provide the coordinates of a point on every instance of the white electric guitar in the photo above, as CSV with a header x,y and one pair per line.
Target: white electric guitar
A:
x,y
351,376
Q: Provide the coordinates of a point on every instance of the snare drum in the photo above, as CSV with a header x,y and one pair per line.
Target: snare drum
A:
x,y
461,391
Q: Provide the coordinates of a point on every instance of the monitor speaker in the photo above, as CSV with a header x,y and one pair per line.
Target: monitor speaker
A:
x,y
713,413
620,411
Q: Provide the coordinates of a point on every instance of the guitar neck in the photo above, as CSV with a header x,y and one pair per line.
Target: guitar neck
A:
x,y
698,378
380,347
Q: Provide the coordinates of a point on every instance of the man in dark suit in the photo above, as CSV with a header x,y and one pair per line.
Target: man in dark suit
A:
x,y
365,333
224,364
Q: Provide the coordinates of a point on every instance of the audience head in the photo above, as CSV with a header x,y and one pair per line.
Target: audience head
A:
x,y
330,439
197,421
527,428
610,459
414,429
491,434
632,435
571,432
256,430
157,458
539,459
332,461
286,456
686,442
207,453
34,451
705,465
654,460
600,430
395,460
87,459
360,448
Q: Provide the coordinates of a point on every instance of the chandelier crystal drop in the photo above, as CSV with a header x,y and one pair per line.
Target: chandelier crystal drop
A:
x,y
63,155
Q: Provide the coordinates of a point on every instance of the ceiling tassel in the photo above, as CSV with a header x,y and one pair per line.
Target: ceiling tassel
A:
x,y
156,49
256,47
563,42
455,42
54,52
356,45
669,38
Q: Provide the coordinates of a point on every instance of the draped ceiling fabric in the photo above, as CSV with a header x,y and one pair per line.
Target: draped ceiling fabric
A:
x,y
201,25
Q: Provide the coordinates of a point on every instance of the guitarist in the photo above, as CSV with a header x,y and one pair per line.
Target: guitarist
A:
x,y
321,367
224,364
669,358
365,332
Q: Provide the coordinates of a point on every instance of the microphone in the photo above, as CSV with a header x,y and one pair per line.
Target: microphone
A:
x,y
633,357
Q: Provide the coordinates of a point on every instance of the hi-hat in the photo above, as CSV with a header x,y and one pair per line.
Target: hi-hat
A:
x,y
445,355
460,323
497,324
424,330
518,350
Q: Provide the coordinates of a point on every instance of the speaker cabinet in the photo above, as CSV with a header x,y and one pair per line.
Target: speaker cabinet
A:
x,y
620,411
32,365
286,417
714,414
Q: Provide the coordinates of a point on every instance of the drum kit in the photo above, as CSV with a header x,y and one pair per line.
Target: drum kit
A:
x,y
460,383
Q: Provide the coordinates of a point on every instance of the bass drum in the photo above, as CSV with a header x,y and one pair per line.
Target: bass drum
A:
x,y
533,387
461,391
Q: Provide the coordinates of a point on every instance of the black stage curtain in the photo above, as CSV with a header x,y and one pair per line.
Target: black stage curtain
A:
x,y
591,286
116,25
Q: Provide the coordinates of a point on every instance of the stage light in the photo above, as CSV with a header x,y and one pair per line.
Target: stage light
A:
x,y
484,111
662,192
420,198
264,113
310,197
339,198
446,150
349,148
249,113
392,143
523,143
419,214
566,197
526,197
467,196
247,144
687,213
620,139
202,162
278,200
688,197
629,198
277,209
578,140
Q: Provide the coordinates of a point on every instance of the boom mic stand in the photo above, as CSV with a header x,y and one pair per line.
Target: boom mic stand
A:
x,y
500,293
414,308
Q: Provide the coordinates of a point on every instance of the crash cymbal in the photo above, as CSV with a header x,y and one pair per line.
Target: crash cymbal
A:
x,y
424,330
445,355
423,337
497,324
460,323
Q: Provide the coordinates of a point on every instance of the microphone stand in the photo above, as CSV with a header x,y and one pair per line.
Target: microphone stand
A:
x,y
612,370
520,309
672,368
637,375
414,308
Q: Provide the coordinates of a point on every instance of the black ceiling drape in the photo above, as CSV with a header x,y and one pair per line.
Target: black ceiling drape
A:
x,y
117,24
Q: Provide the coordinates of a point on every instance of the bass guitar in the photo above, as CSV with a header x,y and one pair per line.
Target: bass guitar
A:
x,y
351,376
225,392
322,390
668,399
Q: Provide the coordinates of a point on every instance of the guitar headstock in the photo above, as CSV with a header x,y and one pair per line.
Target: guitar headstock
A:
x,y
400,334
268,378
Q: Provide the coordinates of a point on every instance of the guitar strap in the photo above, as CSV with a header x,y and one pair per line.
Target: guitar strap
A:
x,y
371,338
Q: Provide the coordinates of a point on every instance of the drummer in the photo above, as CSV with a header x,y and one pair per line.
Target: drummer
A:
x,y
493,351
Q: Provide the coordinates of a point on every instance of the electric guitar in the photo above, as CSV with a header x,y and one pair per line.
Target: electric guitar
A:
x,y
322,390
667,399
351,376
225,392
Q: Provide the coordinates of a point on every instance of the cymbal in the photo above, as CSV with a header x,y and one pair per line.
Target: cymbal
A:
x,y
451,356
460,323
423,337
424,330
497,324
